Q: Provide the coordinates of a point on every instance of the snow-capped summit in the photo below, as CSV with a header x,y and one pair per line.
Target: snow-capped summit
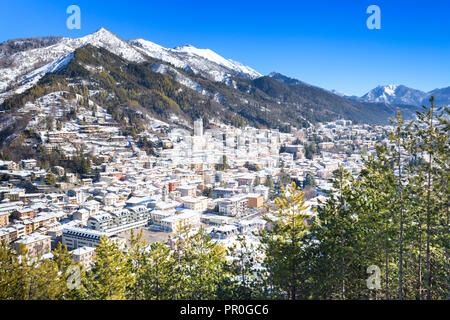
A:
x,y
156,51
31,65
338,93
214,57
203,61
25,68
108,40
395,94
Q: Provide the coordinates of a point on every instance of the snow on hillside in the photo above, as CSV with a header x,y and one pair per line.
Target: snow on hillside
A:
x,y
338,93
33,63
180,78
203,61
27,67
33,77
158,52
106,39
214,57
395,94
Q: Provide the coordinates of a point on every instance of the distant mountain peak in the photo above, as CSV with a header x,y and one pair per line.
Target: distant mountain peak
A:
x,y
102,32
184,46
395,94
202,61
33,63
102,29
286,80
338,93
274,74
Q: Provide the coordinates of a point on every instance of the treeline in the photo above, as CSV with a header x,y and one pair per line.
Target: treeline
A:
x,y
194,268
393,216
80,162
383,234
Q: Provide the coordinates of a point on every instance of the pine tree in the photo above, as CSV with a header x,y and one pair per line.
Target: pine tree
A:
x,y
155,279
110,275
63,262
336,249
244,281
432,132
11,286
50,179
200,265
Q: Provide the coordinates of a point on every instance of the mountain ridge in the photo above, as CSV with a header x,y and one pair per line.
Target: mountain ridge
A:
x,y
185,82
401,94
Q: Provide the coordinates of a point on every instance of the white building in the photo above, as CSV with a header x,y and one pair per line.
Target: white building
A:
x,y
119,221
74,237
84,256
198,127
233,206
197,204
185,218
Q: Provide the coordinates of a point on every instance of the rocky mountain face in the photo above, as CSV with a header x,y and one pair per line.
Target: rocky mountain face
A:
x,y
139,77
441,96
200,61
395,94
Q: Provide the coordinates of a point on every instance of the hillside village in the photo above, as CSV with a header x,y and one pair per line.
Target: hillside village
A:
x,y
216,176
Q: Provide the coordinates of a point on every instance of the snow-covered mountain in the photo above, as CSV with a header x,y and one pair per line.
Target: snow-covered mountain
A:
x,y
400,94
286,80
441,96
21,70
25,68
338,93
395,94
203,61
23,62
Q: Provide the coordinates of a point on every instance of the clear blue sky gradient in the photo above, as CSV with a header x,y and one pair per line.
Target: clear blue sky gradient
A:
x,y
322,42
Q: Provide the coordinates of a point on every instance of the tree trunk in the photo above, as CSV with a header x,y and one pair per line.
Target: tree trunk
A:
x,y
400,253
429,229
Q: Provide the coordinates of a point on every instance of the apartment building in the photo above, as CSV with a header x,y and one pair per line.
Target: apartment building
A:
x,y
74,237
196,204
156,216
234,206
119,221
4,219
224,192
174,222
36,244
84,256
255,200
187,190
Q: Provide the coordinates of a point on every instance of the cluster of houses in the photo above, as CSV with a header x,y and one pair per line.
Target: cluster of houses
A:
x,y
220,178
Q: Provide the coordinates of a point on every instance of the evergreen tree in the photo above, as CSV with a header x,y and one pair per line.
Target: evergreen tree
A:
x,y
110,275
244,281
309,181
283,244
200,266
50,179
155,278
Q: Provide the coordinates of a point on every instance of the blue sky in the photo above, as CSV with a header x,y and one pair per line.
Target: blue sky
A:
x,y
323,42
